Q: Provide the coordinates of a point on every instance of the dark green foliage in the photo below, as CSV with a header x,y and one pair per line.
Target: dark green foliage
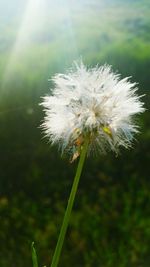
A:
x,y
110,223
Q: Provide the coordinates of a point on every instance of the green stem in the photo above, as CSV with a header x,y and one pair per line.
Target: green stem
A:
x,y
34,256
65,223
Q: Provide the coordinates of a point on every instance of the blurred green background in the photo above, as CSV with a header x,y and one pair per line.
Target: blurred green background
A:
x,y
110,223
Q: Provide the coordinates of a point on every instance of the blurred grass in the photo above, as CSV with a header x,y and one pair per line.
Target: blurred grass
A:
x,y
110,229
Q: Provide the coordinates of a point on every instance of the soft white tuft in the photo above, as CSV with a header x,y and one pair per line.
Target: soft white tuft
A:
x,y
91,102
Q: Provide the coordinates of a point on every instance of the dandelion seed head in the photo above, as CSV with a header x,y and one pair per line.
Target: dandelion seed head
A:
x,y
94,103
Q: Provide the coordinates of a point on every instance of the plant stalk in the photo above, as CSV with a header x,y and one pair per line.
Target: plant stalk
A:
x,y
66,219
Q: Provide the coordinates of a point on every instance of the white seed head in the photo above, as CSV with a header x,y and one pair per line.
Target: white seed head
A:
x,y
93,103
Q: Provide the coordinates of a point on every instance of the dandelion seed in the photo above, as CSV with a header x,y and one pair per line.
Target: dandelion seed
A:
x,y
92,102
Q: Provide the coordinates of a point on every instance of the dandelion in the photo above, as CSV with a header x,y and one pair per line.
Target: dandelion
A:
x,y
89,110
91,103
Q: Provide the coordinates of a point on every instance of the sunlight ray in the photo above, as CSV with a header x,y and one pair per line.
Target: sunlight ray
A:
x,y
39,13
23,37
